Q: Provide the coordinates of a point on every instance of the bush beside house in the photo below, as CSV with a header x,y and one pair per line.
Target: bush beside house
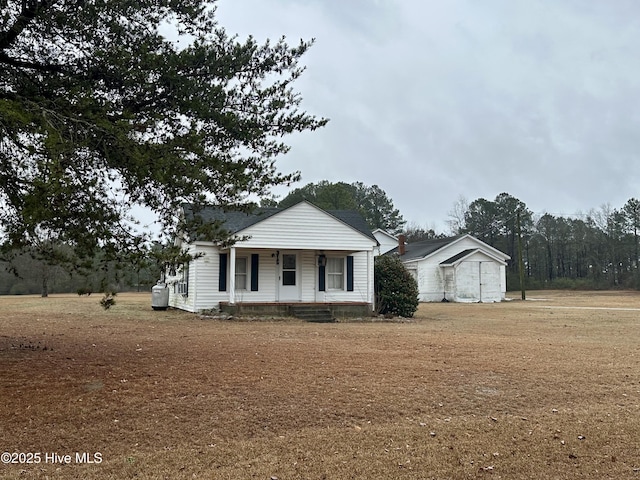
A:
x,y
395,288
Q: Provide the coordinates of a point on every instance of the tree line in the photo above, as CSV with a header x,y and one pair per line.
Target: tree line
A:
x,y
599,249
55,269
50,264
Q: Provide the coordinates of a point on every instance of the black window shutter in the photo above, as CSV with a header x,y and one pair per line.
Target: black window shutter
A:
x,y
350,273
254,271
321,278
222,274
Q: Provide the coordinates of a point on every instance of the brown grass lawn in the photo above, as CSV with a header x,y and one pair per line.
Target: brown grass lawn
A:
x,y
547,388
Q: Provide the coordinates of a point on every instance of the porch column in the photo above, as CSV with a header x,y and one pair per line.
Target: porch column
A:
x,y
232,275
370,269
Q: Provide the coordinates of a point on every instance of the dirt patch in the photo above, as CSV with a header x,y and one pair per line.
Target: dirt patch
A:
x,y
513,390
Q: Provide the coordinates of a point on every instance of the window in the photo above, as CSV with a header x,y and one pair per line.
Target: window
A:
x,y
288,269
335,273
182,286
241,273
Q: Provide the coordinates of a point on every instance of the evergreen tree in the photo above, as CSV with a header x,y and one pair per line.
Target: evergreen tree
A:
x,y
371,201
99,112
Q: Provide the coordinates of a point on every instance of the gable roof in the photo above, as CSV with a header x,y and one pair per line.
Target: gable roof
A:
x,y
236,221
424,248
232,220
467,253
459,256
386,234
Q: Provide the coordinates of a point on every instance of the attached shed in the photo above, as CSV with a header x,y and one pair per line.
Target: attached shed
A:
x,y
457,269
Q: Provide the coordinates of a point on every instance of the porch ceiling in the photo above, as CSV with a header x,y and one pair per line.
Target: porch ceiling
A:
x,y
316,249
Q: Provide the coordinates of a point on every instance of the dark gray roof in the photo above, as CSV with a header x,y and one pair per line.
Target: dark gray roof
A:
x,y
354,220
421,249
457,257
236,221
233,221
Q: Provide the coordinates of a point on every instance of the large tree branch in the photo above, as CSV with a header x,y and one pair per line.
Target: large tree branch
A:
x,y
41,67
29,11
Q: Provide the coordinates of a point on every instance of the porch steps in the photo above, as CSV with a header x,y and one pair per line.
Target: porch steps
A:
x,y
312,313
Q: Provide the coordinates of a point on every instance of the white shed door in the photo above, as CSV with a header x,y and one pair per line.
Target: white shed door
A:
x,y
468,282
478,282
489,282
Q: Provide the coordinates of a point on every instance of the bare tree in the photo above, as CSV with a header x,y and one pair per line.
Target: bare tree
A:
x,y
456,222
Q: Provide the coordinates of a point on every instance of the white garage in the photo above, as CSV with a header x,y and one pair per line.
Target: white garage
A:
x,y
456,269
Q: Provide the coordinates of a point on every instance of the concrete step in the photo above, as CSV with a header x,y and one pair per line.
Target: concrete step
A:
x,y
313,314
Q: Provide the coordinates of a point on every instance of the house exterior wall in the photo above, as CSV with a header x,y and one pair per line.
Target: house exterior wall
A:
x,y
178,300
203,274
362,289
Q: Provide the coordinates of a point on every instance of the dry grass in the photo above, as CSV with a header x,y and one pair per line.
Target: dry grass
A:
x,y
463,391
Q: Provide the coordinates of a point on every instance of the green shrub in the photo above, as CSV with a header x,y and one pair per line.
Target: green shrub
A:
x,y
395,288
108,300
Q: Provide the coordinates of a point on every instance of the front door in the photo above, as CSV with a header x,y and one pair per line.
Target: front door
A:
x,y
289,277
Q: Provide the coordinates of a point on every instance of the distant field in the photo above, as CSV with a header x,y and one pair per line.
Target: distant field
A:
x,y
547,388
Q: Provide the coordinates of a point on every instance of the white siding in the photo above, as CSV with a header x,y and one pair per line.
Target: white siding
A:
x,y
308,275
360,284
177,300
204,275
206,285
430,280
305,227
267,276
387,242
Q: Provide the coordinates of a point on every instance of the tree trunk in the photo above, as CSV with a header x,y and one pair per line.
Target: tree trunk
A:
x,y
45,281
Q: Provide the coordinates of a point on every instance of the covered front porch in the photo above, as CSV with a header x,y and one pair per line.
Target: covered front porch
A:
x,y
259,278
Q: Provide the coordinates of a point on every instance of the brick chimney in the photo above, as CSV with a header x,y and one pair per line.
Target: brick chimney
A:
x,y
401,240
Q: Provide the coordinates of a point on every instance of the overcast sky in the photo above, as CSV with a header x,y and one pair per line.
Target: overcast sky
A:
x,y
437,99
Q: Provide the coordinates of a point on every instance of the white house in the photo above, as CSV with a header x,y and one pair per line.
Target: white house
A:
x,y
457,269
298,255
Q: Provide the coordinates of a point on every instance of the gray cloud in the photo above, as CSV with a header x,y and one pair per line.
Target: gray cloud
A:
x,y
431,100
